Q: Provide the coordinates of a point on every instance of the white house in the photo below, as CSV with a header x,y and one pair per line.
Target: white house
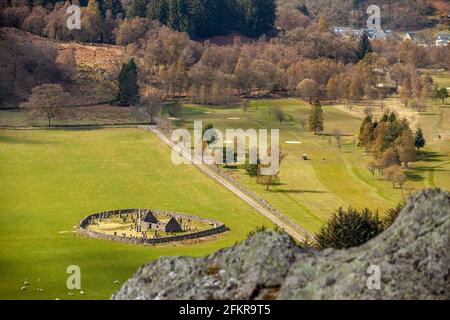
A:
x,y
417,38
442,39
351,32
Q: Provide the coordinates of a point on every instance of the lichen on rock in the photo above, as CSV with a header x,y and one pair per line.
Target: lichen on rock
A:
x,y
413,258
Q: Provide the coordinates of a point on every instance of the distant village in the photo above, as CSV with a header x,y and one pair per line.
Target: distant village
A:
x,y
440,39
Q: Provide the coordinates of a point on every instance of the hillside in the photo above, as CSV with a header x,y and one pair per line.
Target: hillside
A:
x,y
396,14
88,72
441,7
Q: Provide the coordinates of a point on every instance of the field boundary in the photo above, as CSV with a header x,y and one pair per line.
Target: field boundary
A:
x,y
262,206
76,127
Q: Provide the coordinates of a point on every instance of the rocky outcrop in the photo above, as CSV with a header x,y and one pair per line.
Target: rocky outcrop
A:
x,y
411,260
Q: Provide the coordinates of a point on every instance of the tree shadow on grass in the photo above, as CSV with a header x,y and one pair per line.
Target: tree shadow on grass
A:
x,y
430,156
414,177
23,140
297,191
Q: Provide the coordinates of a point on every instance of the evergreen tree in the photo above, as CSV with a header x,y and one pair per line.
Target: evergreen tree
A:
x,y
350,228
157,10
442,94
128,87
384,118
258,16
316,117
205,18
364,46
420,140
178,15
137,8
303,9
367,119
114,5
392,214
392,117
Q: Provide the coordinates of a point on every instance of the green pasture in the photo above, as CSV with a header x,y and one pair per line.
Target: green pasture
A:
x,y
309,191
53,178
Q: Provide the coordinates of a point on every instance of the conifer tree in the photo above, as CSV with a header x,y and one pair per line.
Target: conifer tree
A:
x,y
364,46
419,140
128,87
205,18
157,10
137,8
316,117
178,15
114,5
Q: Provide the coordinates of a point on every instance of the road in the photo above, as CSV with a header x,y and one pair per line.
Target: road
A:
x,y
219,179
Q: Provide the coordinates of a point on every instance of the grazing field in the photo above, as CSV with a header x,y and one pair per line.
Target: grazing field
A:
x,y
53,178
103,114
309,190
442,80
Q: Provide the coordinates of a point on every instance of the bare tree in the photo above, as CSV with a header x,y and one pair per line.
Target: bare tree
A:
x,y
303,123
396,174
279,114
152,106
337,134
372,166
368,111
308,89
47,100
245,105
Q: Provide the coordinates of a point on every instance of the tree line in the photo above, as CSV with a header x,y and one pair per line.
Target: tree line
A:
x,y
307,59
198,18
206,18
393,146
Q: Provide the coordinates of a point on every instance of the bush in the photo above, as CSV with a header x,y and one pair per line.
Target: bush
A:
x,y
350,228
258,229
392,214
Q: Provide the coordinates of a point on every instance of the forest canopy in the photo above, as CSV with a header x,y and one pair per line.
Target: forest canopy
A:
x,y
198,18
206,18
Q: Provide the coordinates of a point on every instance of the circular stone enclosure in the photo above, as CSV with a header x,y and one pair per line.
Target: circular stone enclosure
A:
x,y
148,218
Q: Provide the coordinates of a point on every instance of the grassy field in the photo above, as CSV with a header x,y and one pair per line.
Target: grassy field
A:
x,y
92,115
51,179
442,80
310,190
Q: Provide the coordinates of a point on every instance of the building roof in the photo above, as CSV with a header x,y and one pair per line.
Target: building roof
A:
x,y
443,36
372,33
149,218
417,38
173,225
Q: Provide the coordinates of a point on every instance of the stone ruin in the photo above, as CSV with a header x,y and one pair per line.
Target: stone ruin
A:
x,y
145,221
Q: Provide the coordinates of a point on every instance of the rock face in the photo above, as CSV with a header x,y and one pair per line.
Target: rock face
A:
x,y
411,260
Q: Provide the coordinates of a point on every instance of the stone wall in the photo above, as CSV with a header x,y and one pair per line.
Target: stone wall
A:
x,y
219,227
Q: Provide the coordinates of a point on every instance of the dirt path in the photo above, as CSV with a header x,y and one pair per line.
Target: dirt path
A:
x,y
253,203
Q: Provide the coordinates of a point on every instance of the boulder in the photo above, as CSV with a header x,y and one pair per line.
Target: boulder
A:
x,y
410,260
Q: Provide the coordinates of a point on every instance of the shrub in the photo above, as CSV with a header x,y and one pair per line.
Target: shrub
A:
x,y
392,214
350,228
